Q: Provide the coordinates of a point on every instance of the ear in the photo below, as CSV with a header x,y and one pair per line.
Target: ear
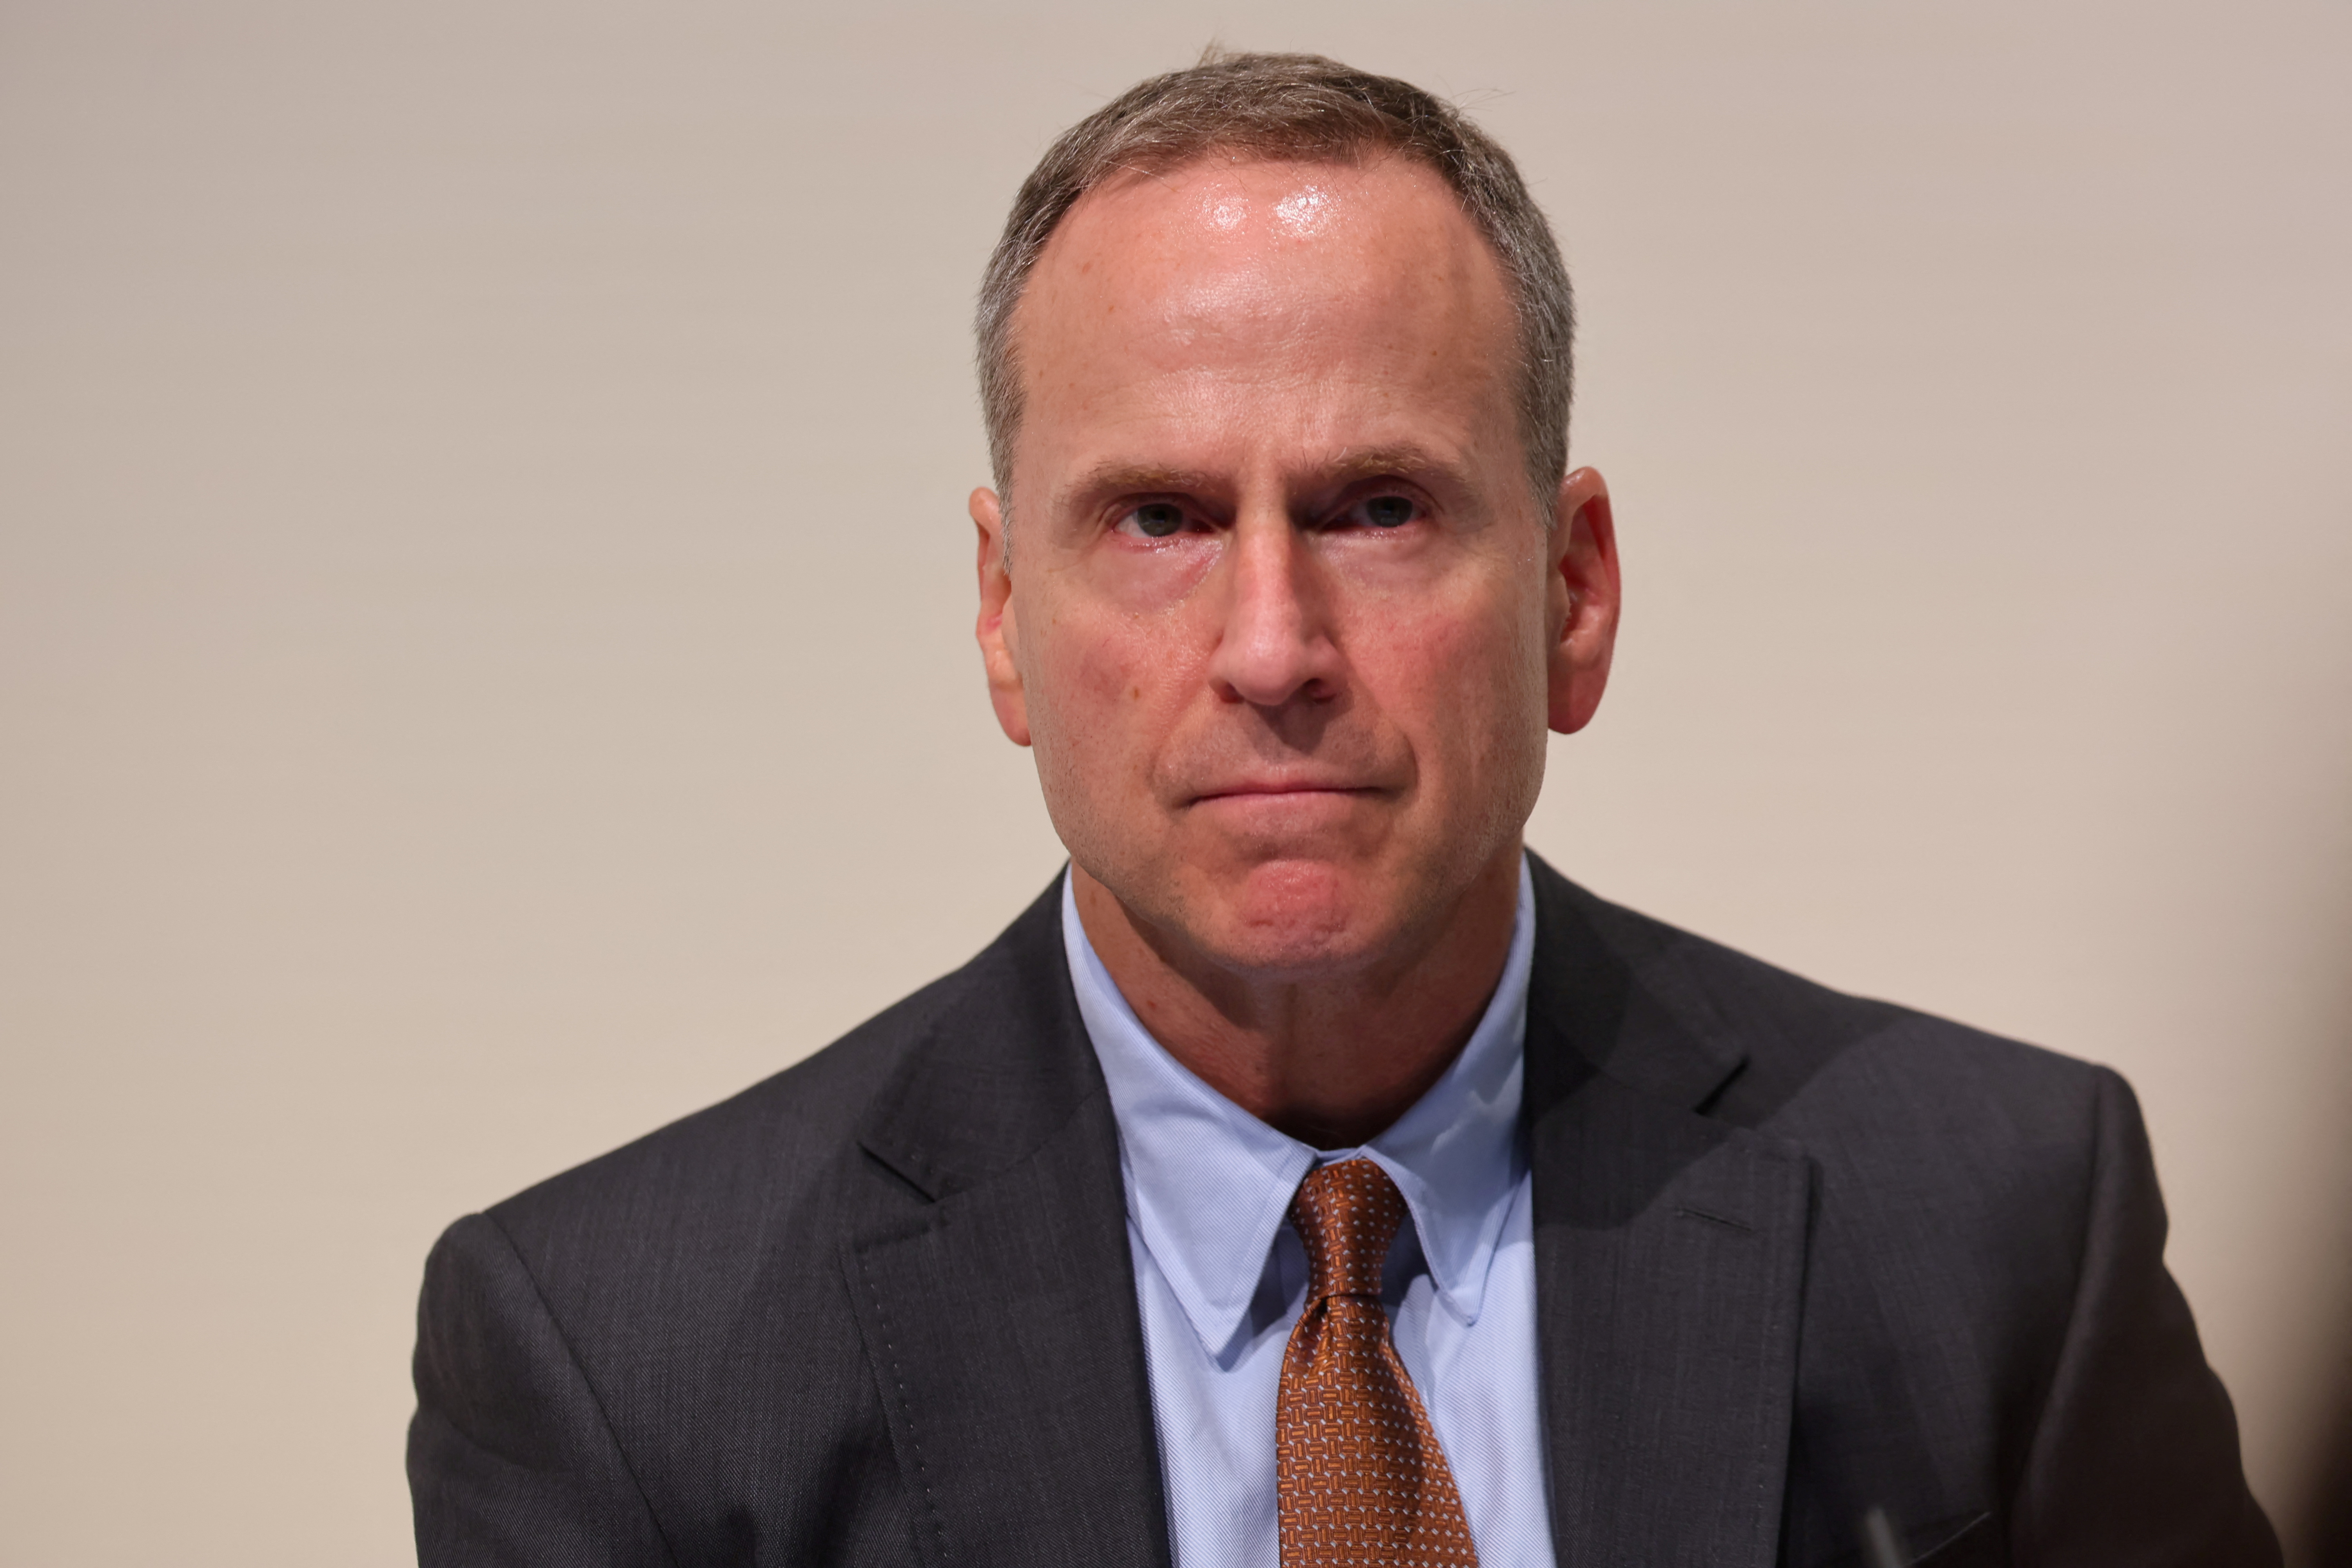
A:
x,y
995,629
1585,598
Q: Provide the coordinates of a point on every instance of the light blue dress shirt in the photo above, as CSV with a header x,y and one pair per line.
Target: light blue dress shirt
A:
x,y
1220,1276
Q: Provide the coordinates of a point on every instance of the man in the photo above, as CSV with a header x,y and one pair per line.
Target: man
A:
x,y
1311,1176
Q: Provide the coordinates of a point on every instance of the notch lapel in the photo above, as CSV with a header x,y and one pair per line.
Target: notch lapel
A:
x,y
1670,1255
999,1316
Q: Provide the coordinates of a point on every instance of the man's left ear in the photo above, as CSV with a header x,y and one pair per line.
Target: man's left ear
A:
x,y
1585,596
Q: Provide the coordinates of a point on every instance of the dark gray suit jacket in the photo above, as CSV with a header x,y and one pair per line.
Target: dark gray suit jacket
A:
x,y
1798,1255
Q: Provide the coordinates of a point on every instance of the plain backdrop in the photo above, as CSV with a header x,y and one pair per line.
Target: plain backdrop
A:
x,y
485,608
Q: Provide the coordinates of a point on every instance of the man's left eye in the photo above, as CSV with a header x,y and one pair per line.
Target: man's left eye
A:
x,y
1387,511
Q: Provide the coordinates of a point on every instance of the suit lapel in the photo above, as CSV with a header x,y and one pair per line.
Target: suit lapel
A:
x,y
1000,1317
1670,1255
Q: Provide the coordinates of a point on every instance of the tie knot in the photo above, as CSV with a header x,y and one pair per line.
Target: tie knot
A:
x,y
1347,1215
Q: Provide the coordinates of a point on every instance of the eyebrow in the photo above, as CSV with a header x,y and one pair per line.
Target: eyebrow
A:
x,y
1404,459
1117,478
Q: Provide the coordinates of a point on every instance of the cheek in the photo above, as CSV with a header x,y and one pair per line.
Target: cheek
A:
x,y
1467,676
1093,682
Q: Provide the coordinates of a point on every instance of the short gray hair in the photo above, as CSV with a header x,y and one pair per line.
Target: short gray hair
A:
x,y
1311,108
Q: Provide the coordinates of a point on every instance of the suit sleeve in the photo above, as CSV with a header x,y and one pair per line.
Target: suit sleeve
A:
x,y
2135,1459
510,1458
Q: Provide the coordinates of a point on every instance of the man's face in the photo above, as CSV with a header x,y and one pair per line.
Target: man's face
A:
x,y
1285,622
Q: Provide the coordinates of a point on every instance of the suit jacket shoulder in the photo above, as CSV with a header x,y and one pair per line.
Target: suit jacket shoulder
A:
x,y
1983,1341
668,1355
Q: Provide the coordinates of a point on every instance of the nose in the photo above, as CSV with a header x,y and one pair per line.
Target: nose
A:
x,y
1277,645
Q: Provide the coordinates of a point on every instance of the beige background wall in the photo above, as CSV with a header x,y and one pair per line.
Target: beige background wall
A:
x,y
484,663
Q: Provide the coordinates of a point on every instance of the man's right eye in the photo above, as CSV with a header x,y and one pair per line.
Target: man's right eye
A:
x,y
1155,520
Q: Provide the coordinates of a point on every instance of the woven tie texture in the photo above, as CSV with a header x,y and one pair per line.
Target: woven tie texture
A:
x,y
1360,1477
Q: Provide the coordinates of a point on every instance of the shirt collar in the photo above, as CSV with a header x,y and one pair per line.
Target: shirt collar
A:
x,y
1208,1184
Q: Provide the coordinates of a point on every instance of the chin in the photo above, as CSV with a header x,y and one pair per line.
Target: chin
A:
x,y
1294,919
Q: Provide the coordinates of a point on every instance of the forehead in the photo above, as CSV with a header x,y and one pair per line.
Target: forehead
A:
x,y
1223,279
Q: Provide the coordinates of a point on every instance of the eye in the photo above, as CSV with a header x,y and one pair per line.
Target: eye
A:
x,y
1386,512
1154,519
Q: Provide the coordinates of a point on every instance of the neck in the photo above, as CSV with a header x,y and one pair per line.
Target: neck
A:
x,y
1332,1060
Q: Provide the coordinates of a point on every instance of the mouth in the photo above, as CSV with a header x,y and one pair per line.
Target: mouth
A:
x,y
1280,791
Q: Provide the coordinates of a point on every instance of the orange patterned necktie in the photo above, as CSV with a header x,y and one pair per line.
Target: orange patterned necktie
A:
x,y
1361,1478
